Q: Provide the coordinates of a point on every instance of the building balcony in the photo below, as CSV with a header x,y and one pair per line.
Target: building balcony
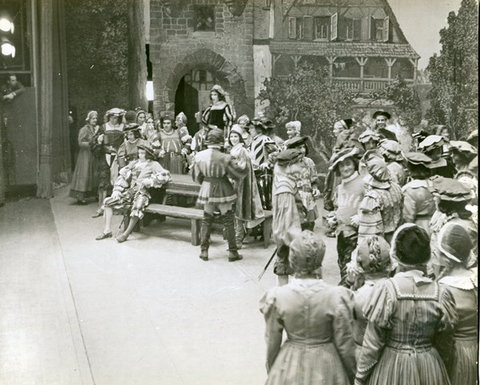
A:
x,y
365,85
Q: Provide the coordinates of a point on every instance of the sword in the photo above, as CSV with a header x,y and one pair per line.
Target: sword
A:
x,y
268,264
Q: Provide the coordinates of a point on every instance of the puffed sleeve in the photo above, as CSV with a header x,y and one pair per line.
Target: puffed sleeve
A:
x,y
378,311
185,137
121,156
197,174
160,176
444,341
274,326
229,117
206,116
343,329
370,220
409,205
83,140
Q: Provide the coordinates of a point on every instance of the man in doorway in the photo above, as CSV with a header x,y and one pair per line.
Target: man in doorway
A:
x,y
12,88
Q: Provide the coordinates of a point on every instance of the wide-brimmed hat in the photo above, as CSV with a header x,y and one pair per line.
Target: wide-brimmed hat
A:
x,y
214,136
411,245
373,254
290,155
417,158
115,112
391,150
345,124
131,127
297,141
462,147
448,189
473,137
454,242
258,125
366,135
147,148
420,135
306,253
381,113
431,142
342,155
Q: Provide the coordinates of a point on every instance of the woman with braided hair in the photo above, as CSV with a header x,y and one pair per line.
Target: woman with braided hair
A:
x,y
317,319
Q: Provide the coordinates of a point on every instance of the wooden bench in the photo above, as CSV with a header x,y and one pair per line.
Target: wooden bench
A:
x,y
196,215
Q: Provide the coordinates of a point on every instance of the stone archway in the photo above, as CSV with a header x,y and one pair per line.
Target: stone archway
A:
x,y
226,74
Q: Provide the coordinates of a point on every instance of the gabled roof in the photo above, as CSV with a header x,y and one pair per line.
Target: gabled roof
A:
x,y
344,49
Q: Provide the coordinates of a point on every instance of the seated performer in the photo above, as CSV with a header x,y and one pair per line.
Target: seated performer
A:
x,y
130,191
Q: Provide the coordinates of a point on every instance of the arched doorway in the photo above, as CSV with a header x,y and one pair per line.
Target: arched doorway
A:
x,y
193,95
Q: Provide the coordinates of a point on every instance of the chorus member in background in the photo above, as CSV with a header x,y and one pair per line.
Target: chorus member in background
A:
x,y
317,319
294,129
346,201
410,320
248,207
85,177
432,146
451,268
418,203
175,144
307,185
392,153
113,139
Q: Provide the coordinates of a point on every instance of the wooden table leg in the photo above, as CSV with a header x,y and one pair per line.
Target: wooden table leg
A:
x,y
195,227
267,231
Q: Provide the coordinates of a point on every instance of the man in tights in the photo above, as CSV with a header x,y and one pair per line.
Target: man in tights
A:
x,y
211,169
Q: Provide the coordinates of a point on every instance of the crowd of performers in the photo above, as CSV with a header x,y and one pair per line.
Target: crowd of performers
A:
x,y
405,222
403,210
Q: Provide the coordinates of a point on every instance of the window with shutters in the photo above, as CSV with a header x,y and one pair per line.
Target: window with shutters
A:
x,y
300,28
292,30
352,29
380,29
322,28
334,26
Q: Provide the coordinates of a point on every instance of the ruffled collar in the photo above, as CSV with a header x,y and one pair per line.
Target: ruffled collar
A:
x,y
351,177
417,275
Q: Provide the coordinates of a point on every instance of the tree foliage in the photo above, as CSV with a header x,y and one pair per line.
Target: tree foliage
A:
x,y
310,96
406,102
97,54
454,73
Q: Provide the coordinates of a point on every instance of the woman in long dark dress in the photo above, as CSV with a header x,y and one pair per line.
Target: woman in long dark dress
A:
x,y
410,320
85,178
317,318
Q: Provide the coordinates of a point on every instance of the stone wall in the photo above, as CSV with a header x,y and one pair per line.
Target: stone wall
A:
x,y
176,48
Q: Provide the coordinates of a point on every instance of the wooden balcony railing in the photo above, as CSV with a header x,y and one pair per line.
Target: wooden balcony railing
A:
x,y
365,84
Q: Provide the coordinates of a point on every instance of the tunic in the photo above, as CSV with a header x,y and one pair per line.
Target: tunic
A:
x,y
85,176
410,321
211,169
248,205
463,367
219,115
418,203
172,144
380,211
317,318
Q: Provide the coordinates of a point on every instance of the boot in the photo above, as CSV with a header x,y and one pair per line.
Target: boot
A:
x,y
239,232
229,225
204,255
205,231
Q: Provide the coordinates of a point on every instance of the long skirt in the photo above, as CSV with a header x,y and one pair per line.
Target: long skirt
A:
x,y
85,176
405,367
307,365
463,368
